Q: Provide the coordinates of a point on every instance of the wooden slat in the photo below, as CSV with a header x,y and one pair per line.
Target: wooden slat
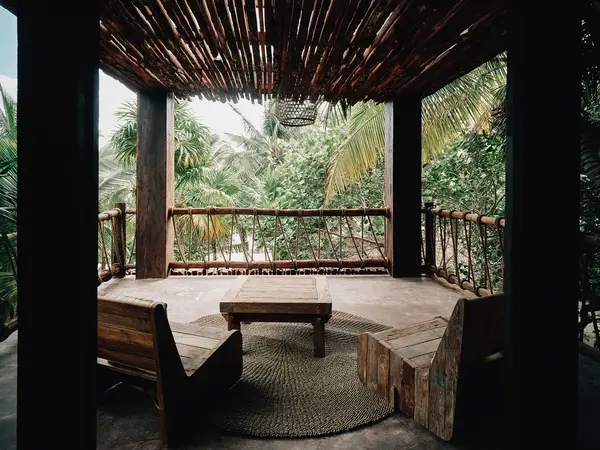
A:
x,y
126,322
395,333
419,349
195,341
372,362
416,338
423,361
362,353
116,333
395,379
192,352
128,307
279,307
383,369
125,347
407,389
127,359
422,396
197,330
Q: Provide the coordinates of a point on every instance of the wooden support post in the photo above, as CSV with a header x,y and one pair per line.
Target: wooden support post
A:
x,y
402,194
118,239
542,174
155,184
57,96
429,238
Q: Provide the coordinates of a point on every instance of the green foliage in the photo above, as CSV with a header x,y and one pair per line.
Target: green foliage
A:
x,y
193,140
463,106
8,206
469,175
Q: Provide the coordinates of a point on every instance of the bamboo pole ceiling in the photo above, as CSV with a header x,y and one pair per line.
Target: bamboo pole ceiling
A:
x,y
352,49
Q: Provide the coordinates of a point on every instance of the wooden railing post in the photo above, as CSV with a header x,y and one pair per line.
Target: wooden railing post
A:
x,y
429,238
118,237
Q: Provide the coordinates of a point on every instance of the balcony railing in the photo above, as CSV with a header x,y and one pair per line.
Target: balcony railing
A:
x,y
114,259
281,241
464,248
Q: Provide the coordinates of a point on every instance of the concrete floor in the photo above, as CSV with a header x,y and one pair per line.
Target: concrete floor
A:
x,y
128,420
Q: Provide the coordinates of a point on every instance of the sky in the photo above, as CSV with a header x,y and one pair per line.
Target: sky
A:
x,y
217,116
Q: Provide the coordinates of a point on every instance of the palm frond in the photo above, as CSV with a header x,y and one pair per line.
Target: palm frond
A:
x,y
462,106
360,151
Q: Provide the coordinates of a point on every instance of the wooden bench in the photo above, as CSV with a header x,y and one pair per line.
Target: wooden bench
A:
x,y
443,373
187,363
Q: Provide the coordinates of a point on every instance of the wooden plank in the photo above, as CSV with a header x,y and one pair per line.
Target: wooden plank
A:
x,y
129,307
283,318
279,294
422,395
127,359
372,363
126,322
423,361
192,352
234,290
322,289
453,338
395,333
419,349
361,360
197,330
286,307
383,369
440,392
129,336
407,389
125,347
395,379
195,341
416,338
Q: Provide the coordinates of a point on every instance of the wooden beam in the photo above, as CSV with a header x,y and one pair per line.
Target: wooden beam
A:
x,y
542,174
155,184
402,194
57,337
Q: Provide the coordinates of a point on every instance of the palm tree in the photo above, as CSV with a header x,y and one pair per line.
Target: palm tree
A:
x,y
8,214
213,186
258,150
193,140
463,105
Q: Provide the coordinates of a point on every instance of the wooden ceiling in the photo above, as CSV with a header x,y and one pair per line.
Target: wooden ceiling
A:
x,y
352,49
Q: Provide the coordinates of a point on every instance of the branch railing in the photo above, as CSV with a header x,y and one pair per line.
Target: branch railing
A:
x,y
112,244
464,248
283,241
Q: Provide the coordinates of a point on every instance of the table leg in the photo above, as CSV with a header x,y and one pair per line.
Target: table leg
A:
x,y
233,323
319,337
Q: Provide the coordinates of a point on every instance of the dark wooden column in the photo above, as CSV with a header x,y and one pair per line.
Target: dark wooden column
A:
x,y
542,208
403,186
155,184
57,224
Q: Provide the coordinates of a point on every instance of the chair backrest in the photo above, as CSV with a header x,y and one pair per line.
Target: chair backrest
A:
x,y
126,332
474,337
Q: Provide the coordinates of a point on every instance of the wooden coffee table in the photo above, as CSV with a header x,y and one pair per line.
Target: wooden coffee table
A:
x,y
291,298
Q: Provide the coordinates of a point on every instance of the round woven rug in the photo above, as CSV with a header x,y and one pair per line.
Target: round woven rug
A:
x,y
286,392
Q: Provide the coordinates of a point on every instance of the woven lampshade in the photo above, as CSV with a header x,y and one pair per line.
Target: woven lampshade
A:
x,y
295,113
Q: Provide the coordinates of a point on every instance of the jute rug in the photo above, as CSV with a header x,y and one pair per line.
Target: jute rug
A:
x,y
286,392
